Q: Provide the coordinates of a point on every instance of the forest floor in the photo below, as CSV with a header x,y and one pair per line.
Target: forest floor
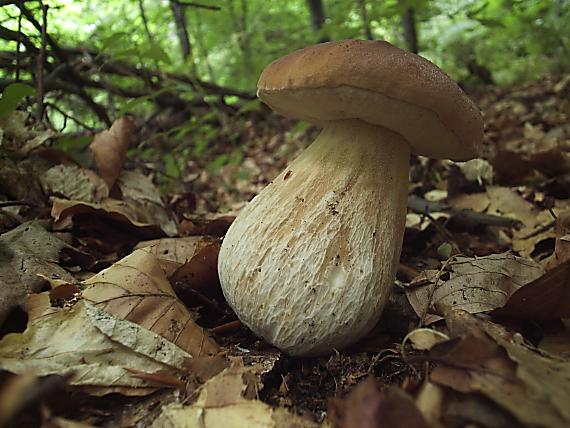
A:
x,y
471,335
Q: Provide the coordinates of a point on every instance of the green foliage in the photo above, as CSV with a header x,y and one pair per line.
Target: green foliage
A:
x,y
232,43
514,39
12,95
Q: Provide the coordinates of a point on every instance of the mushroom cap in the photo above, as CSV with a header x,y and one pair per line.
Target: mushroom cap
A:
x,y
378,83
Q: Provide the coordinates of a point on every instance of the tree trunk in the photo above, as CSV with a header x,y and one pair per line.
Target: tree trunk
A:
x,y
409,27
365,21
240,23
179,13
317,11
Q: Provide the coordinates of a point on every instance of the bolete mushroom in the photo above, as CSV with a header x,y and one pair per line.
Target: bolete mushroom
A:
x,y
309,262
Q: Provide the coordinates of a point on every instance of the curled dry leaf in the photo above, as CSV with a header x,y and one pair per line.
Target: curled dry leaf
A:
x,y
173,253
97,347
423,339
486,359
111,224
473,284
228,400
136,289
216,226
200,272
109,149
140,193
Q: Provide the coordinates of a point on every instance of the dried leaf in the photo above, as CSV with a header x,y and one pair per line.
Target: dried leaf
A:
x,y
26,252
110,147
486,359
136,289
478,202
140,193
173,253
506,202
423,339
545,298
200,272
97,347
223,403
367,407
72,182
111,226
472,284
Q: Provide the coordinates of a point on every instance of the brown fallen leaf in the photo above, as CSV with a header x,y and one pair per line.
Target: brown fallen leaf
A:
x,y
98,348
478,202
216,226
562,243
136,289
556,340
205,368
73,182
29,254
21,393
368,407
173,253
111,226
200,272
229,400
110,147
473,284
486,359
140,193
545,298
505,201
429,401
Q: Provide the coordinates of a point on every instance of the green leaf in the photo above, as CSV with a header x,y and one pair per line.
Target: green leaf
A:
x,y
236,157
171,166
113,40
68,144
133,104
12,95
217,163
155,52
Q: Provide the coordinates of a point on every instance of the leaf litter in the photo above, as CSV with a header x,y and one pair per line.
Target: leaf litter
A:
x,y
475,253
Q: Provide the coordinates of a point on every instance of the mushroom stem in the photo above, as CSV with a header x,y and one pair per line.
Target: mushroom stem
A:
x,y
309,262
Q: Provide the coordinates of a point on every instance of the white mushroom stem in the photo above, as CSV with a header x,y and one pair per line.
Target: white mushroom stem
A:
x,y
309,262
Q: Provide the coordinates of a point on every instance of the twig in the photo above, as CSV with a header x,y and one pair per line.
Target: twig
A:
x,y
18,43
145,21
227,327
465,217
13,217
71,74
16,203
68,116
540,229
198,5
41,62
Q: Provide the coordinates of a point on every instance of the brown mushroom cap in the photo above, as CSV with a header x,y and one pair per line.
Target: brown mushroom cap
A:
x,y
378,83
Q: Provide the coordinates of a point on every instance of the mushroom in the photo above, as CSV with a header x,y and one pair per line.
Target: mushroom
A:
x,y
309,262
